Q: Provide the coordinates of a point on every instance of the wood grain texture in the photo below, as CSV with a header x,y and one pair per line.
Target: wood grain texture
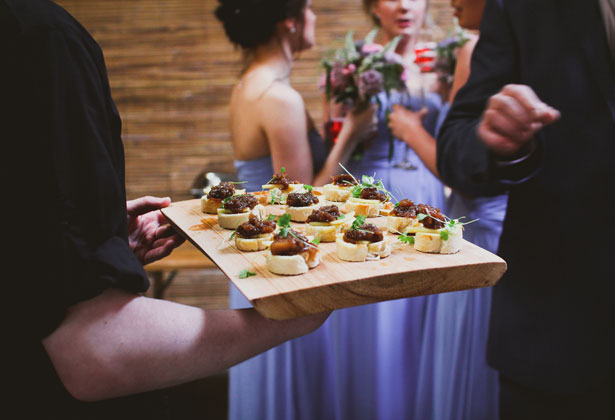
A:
x,y
172,69
334,283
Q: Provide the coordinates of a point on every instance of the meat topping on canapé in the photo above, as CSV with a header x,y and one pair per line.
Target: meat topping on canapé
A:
x,y
325,214
373,193
255,227
221,191
366,232
434,219
343,180
239,203
405,208
296,199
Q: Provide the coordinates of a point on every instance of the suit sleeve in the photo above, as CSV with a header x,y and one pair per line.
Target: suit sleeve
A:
x,y
463,161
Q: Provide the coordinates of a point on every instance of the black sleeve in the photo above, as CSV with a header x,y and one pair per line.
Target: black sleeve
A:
x,y
70,141
463,161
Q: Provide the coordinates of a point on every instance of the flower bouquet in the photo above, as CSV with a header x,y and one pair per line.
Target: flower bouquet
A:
x,y
360,70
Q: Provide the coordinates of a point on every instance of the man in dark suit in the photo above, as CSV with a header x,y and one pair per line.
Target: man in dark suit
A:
x,y
537,118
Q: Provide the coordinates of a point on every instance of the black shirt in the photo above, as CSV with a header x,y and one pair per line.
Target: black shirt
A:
x,y
61,131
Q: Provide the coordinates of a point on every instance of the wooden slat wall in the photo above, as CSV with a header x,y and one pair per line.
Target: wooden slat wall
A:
x,y
172,69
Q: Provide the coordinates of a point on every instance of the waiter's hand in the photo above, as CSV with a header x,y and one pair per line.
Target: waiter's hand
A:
x,y
512,118
149,235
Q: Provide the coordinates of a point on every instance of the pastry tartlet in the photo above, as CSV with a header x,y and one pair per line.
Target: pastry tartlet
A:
x,y
212,200
326,222
237,209
363,242
291,254
340,188
255,234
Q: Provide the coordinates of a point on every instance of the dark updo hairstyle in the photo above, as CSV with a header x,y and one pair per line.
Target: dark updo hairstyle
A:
x,y
250,23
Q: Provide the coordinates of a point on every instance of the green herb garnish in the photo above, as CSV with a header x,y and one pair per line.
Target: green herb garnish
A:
x,y
341,216
308,187
284,224
358,222
316,241
244,274
272,217
276,197
406,238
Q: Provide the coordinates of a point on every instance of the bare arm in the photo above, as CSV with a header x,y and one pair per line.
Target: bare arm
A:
x,y
408,126
119,343
285,123
462,68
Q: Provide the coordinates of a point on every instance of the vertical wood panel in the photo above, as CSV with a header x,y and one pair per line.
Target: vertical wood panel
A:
x,y
172,69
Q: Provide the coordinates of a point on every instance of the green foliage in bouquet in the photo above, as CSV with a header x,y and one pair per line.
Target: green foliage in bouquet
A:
x,y
447,51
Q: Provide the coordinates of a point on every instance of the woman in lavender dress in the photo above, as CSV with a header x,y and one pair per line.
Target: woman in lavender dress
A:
x,y
463,385
270,129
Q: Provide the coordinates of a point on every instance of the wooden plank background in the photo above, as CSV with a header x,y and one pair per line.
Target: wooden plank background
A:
x,y
171,70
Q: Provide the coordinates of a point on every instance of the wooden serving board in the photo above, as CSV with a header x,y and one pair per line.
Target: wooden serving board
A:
x,y
334,284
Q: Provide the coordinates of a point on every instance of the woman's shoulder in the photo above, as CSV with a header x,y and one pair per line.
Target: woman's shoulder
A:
x,y
465,52
281,94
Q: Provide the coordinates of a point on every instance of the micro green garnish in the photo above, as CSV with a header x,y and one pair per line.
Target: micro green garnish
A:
x,y
244,274
272,217
233,234
308,188
316,241
450,224
406,238
358,222
276,197
369,182
284,224
341,216
282,170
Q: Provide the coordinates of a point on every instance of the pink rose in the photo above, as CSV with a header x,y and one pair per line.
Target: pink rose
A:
x,y
371,48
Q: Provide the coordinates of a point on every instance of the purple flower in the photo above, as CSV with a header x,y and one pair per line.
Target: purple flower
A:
x,y
393,58
370,83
